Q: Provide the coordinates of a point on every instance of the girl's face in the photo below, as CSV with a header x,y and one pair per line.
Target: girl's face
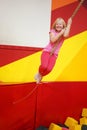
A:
x,y
59,25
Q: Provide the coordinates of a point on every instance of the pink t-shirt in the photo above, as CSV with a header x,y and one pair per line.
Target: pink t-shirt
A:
x,y
49,47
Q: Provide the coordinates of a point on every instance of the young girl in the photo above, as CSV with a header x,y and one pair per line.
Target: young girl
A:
x,y
50,53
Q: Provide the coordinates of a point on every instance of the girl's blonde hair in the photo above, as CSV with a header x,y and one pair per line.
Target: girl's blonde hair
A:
x,y
58,19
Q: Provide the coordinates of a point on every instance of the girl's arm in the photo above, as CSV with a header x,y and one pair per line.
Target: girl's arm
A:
x,y
68,27
54,38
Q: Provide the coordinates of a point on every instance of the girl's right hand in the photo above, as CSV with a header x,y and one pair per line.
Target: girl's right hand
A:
x,y
62,31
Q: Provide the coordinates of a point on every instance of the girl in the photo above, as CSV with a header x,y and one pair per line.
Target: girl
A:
x,y
50,53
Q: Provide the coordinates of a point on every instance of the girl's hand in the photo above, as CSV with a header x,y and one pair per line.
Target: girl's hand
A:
x,y
62,31
69,22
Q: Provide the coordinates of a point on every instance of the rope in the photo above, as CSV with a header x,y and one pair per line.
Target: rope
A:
x,y
55,46
77,8
28,95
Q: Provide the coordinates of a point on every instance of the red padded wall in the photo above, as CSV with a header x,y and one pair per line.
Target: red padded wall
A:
x,y
27,106
57,101
17,107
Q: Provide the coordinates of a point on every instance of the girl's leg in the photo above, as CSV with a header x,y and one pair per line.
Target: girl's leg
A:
x,y
43,66
44,62
47,63
51,64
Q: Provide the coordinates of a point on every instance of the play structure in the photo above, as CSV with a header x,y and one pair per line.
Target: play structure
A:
x,y
70,123
25,105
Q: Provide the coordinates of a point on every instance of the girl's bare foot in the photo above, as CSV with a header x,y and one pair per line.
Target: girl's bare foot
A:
x,y
38,78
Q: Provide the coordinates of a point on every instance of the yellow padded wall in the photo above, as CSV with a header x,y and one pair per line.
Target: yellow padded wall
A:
x,y
76,70
71,64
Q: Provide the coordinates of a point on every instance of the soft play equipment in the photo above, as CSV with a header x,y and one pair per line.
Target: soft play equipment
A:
x,y
25,105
